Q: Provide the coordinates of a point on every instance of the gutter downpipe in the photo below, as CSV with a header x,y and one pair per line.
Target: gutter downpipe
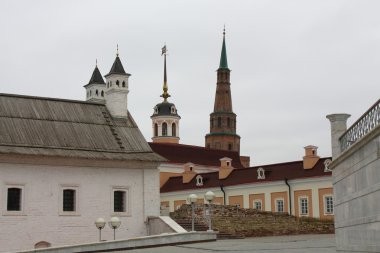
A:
x,y
290,196
224,194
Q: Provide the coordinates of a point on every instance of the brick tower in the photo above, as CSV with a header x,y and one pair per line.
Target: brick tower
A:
x,y
223,120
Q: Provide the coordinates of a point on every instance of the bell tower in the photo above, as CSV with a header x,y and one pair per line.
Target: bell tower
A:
x,y
165,119
223,120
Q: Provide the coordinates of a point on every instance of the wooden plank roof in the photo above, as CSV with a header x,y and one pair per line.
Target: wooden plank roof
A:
x,y
58,127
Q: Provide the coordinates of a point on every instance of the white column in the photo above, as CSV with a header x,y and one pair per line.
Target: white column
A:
x,y
338,127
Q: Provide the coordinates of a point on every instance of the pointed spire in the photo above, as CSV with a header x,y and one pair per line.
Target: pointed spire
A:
x,y
165,94
117,66
96,76
223,57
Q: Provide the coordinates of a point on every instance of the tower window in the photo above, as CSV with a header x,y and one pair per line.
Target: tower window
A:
x,y
123,84
90,93
117,83
174,130
219,122
97,93
102,93
229,146
212,123
228,122
164,129
155,129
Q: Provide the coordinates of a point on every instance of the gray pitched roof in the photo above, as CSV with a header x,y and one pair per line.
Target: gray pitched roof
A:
x,y
117,68
67,128
96,77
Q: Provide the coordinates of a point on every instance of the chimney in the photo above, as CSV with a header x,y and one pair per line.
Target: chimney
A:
x,y
245,161
311,158
225,167
338,127
188,173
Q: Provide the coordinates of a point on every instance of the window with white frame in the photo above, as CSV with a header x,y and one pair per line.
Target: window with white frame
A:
x,y
257,204
199,180
120,200
14,199
329,204
280,205
69,200
304,206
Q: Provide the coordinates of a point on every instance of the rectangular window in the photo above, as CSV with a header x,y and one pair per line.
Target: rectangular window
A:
x,y
304,208
14,197
279,205
257,205
119,201
69,200
329,205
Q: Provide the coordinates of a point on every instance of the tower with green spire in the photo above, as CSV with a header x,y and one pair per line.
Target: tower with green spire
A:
x,y
223,120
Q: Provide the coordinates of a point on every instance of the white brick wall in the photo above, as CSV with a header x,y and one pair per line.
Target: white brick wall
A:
x,y
42,188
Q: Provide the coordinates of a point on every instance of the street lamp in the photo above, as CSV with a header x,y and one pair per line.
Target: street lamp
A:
x,y
192,199
114,223
209,196
100,223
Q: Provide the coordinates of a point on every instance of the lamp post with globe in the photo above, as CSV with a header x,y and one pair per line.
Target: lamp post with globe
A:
x,y
114,223
209,196
192,199
100,223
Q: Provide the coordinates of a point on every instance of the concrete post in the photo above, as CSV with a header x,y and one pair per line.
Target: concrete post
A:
x,y
338,127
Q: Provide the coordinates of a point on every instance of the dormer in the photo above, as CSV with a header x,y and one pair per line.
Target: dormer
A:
x,y
199,180
173,110
311,157
225,167
260,173
188,173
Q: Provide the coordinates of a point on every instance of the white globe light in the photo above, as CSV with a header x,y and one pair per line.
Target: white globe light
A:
x,y
193,198
209,196
115,222
100,223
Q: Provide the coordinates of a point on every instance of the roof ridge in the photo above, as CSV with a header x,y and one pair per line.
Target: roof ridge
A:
x,y
51,99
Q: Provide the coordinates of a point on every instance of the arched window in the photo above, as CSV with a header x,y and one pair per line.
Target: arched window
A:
x,y
212,123
219,122
102,93
228,122
90,93
155,129
123,84
97,93
117,83
174,130
229,146
164,129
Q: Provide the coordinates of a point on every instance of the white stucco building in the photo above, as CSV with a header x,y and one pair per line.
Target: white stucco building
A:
x,y
65,163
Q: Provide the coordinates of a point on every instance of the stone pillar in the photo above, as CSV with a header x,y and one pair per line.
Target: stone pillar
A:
x,y
338,127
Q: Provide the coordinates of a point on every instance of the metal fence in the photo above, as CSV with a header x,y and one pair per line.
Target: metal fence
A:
x,y
368,121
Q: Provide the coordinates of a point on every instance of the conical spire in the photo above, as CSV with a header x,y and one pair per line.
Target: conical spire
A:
x,y
96,76
165,94
117,67
223,57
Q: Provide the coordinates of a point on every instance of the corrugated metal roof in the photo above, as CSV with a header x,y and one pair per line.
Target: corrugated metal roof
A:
x,y
69,128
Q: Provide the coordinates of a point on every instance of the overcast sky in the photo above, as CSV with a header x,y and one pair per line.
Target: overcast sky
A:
x,y
292,62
